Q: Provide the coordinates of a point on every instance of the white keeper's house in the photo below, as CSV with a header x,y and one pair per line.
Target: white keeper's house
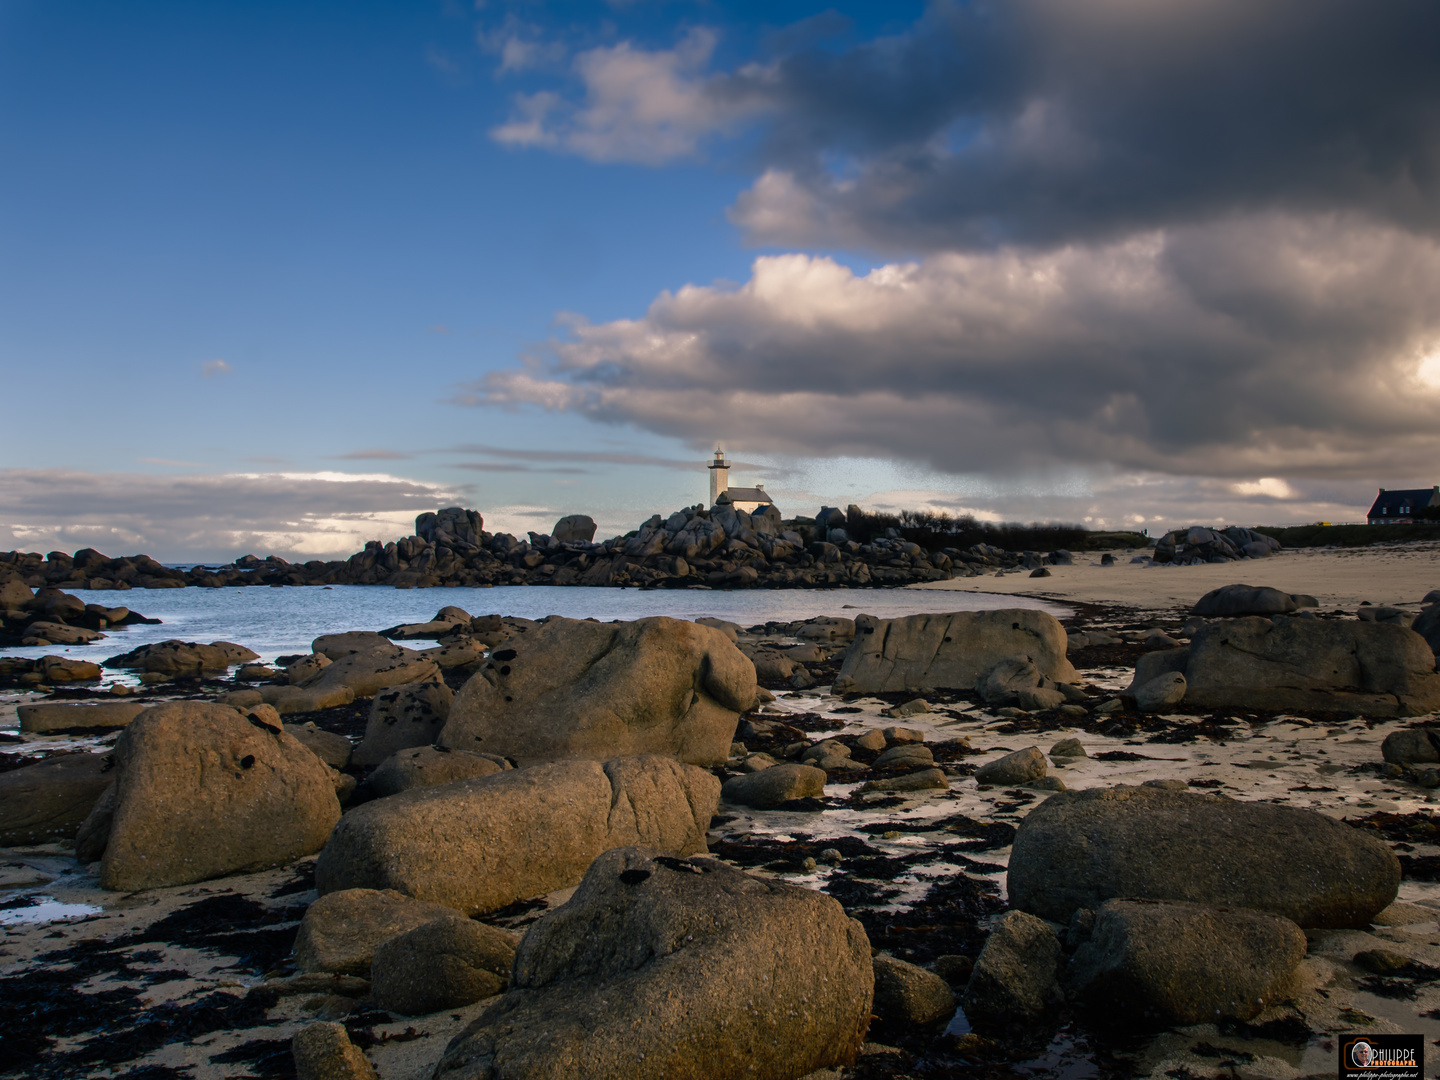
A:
x,y
722,494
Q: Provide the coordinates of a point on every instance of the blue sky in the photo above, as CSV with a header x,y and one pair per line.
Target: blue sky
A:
x,y
280,276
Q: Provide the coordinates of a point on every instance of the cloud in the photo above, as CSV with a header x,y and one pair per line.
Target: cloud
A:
x,y
1043,122
169,461
212,368
639,105
1034,122
208,517
375,453
588,457
513,467
1262,346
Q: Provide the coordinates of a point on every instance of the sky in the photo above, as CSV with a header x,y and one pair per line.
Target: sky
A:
x,y
277,277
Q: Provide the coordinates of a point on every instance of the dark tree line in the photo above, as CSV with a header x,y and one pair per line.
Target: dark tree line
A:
x,y
934,530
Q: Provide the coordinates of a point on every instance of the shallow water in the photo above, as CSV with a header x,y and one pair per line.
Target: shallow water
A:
x,y
285,620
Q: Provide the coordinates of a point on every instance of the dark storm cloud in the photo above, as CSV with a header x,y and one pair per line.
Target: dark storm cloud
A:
x,y
1043,122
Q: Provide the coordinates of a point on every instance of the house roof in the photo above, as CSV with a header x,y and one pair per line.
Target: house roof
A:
x,y
734,495
1390,503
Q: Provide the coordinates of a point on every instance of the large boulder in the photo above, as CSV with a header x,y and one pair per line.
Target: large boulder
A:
x,y
1232,601
53,717
367,672
1375,669
1171,964
49,800
175,658
402,717
1081,848
574,528
699,971
577,689
889,655
341,930
203,790
1427,625
1412,746
445,964
480,844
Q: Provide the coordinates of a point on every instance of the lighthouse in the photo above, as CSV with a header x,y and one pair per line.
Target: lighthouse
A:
x,y
722,494
719,476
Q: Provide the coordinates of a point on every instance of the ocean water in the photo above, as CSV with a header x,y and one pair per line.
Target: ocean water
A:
x,y
274,622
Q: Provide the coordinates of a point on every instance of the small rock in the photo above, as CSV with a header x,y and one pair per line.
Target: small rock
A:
x,y
1381,961
954,969
924,780
1161,693
756,762
871,740
1040,699
1015,976
1068,748
904,756
444,964
1018,768
1048,783
324,1052
902,735
768,788
913,707
910,995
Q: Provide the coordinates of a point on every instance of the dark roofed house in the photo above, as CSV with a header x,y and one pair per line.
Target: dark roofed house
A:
x,y
1398,506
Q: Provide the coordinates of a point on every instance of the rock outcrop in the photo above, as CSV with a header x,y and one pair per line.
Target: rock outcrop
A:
x,y
203,790
1196,545
174,658
701,972
954,650
1289,664
480,844
579,689
1079,849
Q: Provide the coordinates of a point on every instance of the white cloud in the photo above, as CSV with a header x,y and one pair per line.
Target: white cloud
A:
x,y
1269,346
212,368
210,516
639,105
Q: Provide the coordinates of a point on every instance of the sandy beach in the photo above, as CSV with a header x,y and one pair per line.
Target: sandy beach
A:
x,y
1398,575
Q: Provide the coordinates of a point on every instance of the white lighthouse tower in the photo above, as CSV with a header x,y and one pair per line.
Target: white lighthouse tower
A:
x,y
719,476
722,494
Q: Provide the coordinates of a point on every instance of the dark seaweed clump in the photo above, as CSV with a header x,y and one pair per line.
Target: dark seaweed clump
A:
x,y
95,989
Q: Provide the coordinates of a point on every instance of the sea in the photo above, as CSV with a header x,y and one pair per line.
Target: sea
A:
x,y
278,621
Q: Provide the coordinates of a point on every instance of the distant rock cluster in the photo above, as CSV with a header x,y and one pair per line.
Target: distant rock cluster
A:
x,y
716,548
1196,545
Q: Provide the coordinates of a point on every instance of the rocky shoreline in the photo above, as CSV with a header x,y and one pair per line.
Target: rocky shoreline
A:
x,y
468,838
692,548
